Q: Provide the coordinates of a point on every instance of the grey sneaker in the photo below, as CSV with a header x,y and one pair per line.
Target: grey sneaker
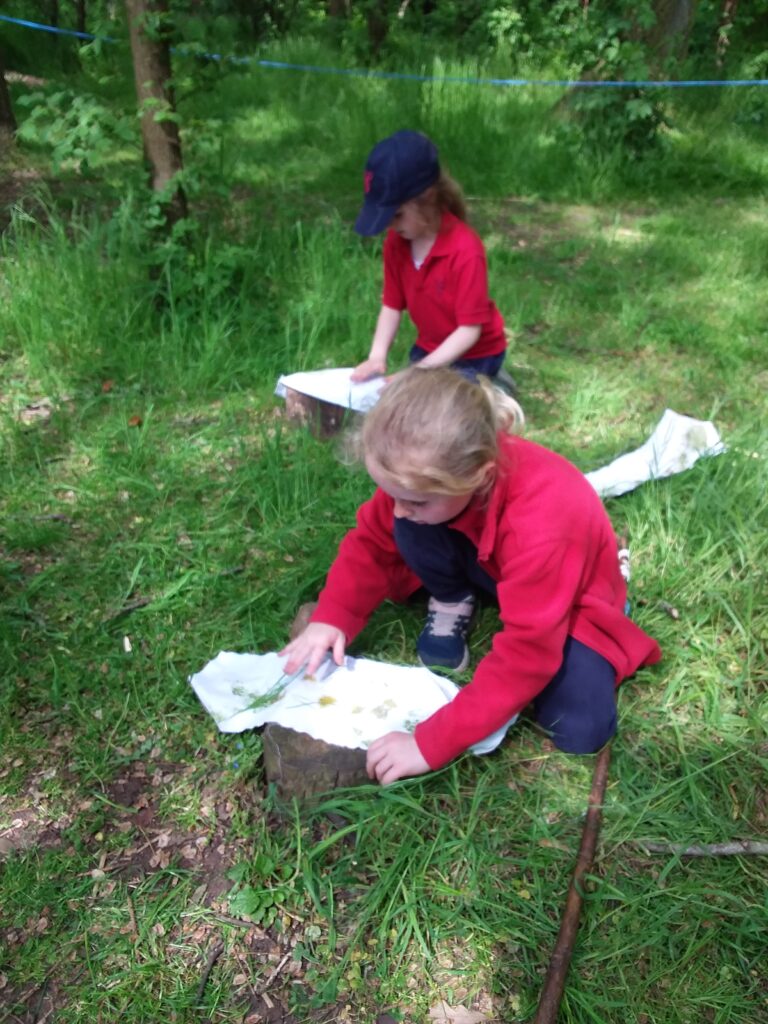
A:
x,y
443,641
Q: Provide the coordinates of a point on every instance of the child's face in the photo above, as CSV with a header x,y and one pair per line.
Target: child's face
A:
x,y
410,223
428,509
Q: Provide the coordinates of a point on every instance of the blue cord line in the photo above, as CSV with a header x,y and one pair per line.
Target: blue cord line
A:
x,y
54,29
564,83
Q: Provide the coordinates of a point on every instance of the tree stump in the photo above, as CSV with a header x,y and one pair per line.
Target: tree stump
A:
x,y
322,418
301,766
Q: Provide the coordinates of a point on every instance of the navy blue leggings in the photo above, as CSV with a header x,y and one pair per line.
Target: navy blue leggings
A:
x,y
487,365
578,706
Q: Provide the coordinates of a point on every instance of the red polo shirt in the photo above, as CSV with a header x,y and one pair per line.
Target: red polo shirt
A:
x,y
449,290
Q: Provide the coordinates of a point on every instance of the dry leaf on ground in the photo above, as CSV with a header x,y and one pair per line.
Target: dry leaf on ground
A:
x,y
455,1014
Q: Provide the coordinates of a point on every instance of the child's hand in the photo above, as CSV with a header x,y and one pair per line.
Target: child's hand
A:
x,y
311,646
394,756
370,368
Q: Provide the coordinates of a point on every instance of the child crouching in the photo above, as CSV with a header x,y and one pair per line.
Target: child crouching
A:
x,y
463,505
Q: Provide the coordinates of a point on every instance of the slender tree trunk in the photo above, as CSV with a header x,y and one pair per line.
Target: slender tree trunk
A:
x,y
7,120
160,132
377,23
80,15
669,36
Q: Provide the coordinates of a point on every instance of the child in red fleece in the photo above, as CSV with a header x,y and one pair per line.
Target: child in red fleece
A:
x,y
464,505
434,263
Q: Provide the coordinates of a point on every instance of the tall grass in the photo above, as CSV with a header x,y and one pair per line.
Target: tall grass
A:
x,y
151,490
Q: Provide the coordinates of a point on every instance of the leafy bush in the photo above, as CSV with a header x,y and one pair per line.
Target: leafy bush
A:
x,y
78,129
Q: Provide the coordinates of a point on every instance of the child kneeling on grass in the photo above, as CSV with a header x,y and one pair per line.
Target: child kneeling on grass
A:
x,y
434,263
463,505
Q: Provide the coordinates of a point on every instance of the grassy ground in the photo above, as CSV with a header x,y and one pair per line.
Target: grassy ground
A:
x,y
156,508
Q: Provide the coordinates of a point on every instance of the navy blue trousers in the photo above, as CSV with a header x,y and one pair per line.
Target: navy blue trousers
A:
x,y
489,366
578,706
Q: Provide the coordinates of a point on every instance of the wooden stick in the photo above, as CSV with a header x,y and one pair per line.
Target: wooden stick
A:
x,y
275,972
554,982
213,956
734,848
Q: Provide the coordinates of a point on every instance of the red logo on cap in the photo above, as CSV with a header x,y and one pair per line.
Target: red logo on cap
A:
x,y
367,179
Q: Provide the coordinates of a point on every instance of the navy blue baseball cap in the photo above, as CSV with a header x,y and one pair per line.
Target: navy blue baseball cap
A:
x,y
398,168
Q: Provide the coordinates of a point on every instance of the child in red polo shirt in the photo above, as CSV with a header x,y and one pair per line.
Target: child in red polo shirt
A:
x,y
434,263
462,506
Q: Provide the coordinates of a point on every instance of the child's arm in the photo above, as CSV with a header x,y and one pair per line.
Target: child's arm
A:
x,y
454,347
386,329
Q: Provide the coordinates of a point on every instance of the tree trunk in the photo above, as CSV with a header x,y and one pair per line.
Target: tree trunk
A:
x,y
80,15
7,120
159,130
377,18
727,18
669,36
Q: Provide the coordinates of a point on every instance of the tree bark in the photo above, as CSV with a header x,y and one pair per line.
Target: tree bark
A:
x,y
727,18
7,120
80,15
338,8
159,130
671,32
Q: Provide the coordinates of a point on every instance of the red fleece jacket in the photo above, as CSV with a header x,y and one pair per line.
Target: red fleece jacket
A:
x,y
544,536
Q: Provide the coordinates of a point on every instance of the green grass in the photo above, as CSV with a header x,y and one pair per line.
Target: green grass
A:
x,y
152,490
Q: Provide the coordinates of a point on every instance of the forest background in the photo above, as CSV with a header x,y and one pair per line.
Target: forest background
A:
x,y
164,257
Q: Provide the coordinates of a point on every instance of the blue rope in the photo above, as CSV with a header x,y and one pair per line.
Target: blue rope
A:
x,y
54,29
560,83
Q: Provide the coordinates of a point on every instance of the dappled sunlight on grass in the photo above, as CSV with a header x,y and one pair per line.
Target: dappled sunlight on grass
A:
x,y
157,508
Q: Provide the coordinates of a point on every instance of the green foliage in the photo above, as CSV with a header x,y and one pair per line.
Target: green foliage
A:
x,y
78,130
152,492
262,888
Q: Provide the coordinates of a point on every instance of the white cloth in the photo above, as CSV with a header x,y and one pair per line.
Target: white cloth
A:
x,y
349,705
333,386
676,443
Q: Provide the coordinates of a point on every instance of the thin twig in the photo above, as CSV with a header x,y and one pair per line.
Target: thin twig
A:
x,y
238,922
46,1015
734,848
40,1000
132,916
554,983
130,606
213,956
246,971
275,972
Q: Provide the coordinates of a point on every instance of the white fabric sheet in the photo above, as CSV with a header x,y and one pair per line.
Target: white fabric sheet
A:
x,y
674,446
333,386
676,443
349,705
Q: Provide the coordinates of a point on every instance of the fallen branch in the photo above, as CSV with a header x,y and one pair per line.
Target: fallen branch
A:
x,y
554,982
734,848
213,956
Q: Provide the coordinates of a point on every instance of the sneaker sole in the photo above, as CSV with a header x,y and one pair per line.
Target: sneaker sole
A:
x,y
451,668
